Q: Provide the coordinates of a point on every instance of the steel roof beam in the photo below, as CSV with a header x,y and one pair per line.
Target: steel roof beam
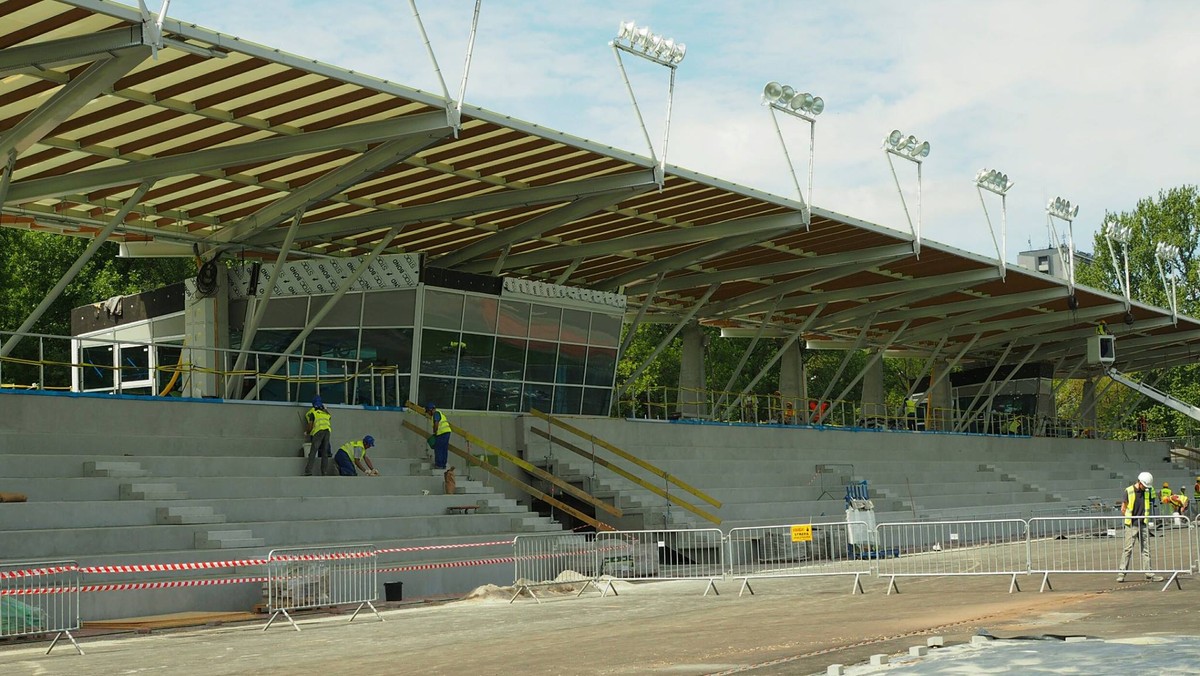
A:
x,y
253,152
793,285
1030,298
844,317
492,201
67,51
534,227
1017,330
967,320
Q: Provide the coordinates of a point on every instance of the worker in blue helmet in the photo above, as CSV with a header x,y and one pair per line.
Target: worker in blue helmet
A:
x,y
441,438
354,454
320,426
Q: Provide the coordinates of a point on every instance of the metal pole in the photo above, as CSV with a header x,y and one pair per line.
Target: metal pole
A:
x,y
875,358
429,48
779,353
633,98
640,314
667,340
858,343
746,355
462,89
967,413
787,156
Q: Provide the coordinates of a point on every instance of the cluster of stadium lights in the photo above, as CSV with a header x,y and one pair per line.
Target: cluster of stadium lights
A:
x,y
641,41
993,181
1117,232
1062,208
1166,252
787,99
907,147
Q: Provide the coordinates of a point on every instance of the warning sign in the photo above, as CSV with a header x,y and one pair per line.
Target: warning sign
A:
x,y
802,533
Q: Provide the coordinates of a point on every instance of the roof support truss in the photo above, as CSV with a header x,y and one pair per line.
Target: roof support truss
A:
x,y
67,51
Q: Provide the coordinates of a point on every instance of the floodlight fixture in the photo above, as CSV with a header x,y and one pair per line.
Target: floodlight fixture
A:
x,y
1166,252
996,182
1117,236
644,43
1062,209
1166,257
803,106
914,150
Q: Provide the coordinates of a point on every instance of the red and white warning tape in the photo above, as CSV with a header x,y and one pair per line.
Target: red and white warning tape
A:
x,y
394,550
166,567
447,564
130,586
33,572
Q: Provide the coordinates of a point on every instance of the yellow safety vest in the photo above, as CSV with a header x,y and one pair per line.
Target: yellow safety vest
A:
x,y
321,420
1129,498
1164,494
443,426
910,407
354,449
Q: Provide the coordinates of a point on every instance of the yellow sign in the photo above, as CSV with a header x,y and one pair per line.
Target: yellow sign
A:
x,y
802,533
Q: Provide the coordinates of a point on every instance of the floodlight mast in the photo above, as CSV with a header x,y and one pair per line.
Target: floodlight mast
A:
x,y
642,43
453,106
1116,237
996,183
1167,253
908,148
803,106
1063,210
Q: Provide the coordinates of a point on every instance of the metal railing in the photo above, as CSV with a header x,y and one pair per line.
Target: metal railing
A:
x,y
553,559
953,548
312,577
799,550
696,554
40,597
1096,544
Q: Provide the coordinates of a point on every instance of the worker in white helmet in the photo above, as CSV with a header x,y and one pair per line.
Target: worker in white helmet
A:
x,y
1136,508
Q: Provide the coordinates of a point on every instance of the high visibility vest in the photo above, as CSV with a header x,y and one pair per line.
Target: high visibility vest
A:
x,y
910,407
1164,494
443,425
1130,495
1014,426
354,449
320,418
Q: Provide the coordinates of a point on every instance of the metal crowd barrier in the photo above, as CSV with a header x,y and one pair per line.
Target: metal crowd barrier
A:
x,y
694,554
40,597
553,558
952,548
800,550
1095,544
311,577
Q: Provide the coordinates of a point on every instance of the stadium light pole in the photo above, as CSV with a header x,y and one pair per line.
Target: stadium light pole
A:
x,y
996,183
1116,237
915,151
641,42
802,106
453,106
1165,256
1063,210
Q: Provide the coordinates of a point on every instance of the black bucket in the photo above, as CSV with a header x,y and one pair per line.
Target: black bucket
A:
x,y
393,591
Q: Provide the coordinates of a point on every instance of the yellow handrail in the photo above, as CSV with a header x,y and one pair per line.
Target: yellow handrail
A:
x,y
497,472
619,471
532,469
656,471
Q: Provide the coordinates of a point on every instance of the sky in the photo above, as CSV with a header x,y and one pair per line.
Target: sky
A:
x,y
1092,101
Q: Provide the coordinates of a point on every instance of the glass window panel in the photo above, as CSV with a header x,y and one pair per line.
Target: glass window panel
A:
x,y
475,360
606,330
567,400
479,313
538,396
506,396
167,361
544,322
347,312
333,343
171,326
97,366
575,326
390,308
595,400
135,363
601,364
540,361
570,364
276,341
443,310
387,347
510,358
439,352
438,391
471,394
285,313
514,318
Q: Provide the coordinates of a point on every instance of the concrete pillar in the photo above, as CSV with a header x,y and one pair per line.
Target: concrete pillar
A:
x,y
693,390
939,415
872,390
1087,407
793,381
206,326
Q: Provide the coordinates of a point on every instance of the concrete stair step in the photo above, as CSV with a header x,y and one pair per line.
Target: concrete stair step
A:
x,y
183,515
151,491
468,487
530,524
227,539
499,506
124,469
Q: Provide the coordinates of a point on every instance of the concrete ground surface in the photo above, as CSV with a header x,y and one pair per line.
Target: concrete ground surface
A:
x,y
790,626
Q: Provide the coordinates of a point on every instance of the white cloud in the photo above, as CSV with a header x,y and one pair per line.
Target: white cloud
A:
x,y
1090,100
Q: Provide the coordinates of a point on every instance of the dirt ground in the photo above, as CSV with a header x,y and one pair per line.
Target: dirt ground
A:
x,y
790,626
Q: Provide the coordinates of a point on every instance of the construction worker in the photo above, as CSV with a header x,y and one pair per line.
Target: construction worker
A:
x,y
789,414
1196,488
354,454
1177,503
1102,329
910,413
1136,508
1164,494
441,431
319,428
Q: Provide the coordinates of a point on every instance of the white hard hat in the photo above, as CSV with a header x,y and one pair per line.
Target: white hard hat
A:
x,y
1146,478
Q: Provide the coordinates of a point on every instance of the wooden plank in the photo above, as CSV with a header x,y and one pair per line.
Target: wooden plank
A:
x,y
617,470
505,476
532,469
656,471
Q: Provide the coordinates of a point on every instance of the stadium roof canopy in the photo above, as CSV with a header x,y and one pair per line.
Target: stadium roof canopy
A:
x,y
206,142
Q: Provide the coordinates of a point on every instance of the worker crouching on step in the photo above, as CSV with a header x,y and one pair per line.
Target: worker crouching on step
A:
x,y
354,454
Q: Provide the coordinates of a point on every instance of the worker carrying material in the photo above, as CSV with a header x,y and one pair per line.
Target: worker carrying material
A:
x,y
354,454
